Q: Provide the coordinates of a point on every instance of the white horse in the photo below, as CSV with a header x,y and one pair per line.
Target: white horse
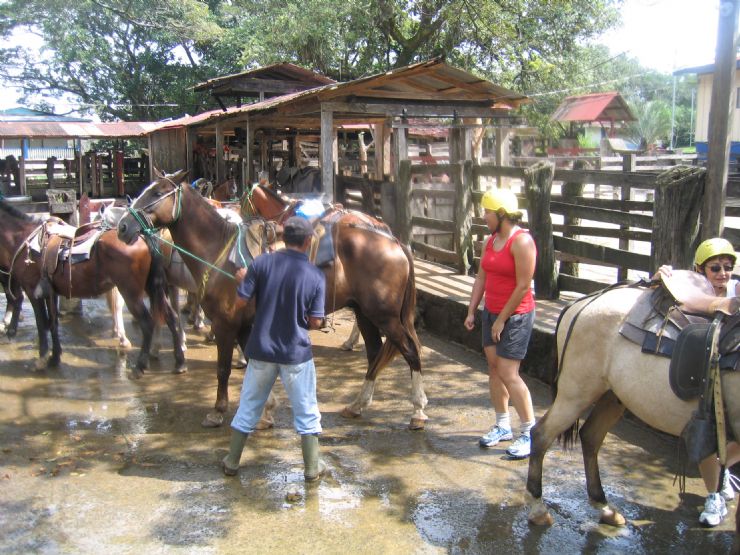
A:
x,y
600,368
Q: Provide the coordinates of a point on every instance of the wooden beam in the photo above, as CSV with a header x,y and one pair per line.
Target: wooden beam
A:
x,y
417,109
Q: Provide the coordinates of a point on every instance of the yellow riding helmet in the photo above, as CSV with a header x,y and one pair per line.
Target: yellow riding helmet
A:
x,y
495,199
714,247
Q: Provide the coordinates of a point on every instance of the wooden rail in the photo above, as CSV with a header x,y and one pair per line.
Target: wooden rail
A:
x,y
588,221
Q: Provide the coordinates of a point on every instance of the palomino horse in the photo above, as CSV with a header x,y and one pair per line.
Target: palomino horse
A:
x,y
372,273
599,367
112,263
205,239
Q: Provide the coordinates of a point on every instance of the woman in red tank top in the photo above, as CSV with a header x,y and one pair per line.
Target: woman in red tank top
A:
x,y
505,276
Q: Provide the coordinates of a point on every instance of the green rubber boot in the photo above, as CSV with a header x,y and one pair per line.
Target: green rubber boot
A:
x,y
313,466
230,464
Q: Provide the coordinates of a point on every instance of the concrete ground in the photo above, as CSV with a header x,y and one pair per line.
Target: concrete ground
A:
x,y
92,461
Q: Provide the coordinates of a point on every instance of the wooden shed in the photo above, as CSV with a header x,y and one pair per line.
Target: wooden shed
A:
x,y
246,134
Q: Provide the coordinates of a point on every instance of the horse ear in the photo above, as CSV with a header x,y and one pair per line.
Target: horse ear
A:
x,y
158,173
180,175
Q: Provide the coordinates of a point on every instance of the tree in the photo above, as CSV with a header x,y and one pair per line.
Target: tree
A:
x,y
122,60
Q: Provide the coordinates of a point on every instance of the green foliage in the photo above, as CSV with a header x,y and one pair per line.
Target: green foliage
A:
x,y
653,125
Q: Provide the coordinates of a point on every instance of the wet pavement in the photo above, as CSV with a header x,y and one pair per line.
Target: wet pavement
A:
x,y
92,461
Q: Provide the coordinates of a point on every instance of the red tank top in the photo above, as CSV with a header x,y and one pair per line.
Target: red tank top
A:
x,y
501,277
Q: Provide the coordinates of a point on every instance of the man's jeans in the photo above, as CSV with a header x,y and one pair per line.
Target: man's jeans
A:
x,y
299,381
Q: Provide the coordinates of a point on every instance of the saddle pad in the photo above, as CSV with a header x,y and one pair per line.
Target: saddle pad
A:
x,y
690,362
250,243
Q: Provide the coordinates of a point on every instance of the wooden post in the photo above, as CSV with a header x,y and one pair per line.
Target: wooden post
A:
x,y
326,153
502,154
385,158
403,201
22,176
401,151
629,165
572,191
118,172
462,175
538,188
389,205
678,199
220,162
247,177
720,118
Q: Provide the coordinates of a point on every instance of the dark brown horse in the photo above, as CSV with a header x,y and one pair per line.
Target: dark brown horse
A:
x,y
112,263
13,303
372,273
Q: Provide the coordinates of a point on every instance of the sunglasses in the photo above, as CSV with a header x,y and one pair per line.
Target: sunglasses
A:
x,y
716,268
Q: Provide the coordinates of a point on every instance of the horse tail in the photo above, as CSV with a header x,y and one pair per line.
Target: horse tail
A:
x,y
156,283
408,313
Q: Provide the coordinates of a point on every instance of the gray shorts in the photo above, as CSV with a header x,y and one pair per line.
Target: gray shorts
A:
x,y
514,337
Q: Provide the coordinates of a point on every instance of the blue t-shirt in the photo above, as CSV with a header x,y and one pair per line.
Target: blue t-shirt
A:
x,y
287,289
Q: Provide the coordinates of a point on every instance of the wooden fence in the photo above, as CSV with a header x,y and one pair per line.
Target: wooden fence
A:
x,y
98,174
658,209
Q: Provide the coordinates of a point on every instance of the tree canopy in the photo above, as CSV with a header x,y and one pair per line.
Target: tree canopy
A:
x,y
138,60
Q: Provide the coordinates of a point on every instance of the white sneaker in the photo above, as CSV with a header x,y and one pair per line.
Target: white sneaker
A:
x,y
715,510
494,435
520,448
728,491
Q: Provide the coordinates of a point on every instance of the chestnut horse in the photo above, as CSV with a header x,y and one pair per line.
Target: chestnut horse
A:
x,y
204,238
373,273
130,268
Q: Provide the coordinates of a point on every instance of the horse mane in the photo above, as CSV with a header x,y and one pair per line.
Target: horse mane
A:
x,y
14,212
228,228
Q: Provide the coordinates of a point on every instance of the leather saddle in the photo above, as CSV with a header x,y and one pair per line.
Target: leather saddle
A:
x,y
60,241
672,320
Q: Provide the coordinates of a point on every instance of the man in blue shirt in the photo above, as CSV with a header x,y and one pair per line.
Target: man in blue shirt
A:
x,y
289,294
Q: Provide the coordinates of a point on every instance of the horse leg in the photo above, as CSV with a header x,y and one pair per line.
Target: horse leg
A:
x,y
225,337
115,304
605,414
143,317
406,341
13,311
174,296
41,315
572,399
373,344
52,302
171,317
353,339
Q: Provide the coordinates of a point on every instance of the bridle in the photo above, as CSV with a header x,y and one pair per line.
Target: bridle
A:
x,y
142,217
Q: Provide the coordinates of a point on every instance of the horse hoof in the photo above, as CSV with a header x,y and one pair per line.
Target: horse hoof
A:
x,y
612,518
213,420
540,518
264,425
349,413
347,347
181,370
39,364
417,424
54,362
136,374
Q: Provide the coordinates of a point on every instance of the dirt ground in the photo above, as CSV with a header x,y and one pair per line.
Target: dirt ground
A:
x,y
92,461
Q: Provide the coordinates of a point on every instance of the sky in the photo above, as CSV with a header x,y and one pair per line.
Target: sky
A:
x,y
662,34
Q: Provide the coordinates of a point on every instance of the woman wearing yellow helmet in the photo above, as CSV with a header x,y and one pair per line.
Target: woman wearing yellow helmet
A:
x,y
715,259
505,276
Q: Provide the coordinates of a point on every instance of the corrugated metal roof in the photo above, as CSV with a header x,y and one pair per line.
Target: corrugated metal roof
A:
x,y
594,107
76,130
26,114
701,70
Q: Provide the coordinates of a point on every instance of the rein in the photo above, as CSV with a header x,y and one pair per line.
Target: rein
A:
x,y
591,298
149,230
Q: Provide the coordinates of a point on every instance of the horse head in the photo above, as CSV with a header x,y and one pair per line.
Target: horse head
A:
x,y
266,203
157,206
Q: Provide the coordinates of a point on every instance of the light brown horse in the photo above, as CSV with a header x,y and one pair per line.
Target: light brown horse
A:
x,y
112,263
601,369
373,273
